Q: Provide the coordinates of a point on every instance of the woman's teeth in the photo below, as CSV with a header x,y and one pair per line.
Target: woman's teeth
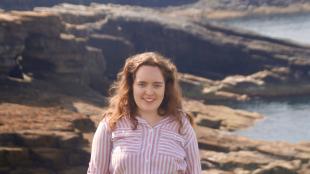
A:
x,y
149,100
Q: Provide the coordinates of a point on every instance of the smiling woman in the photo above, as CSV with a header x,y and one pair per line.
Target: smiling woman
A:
x,y
145,130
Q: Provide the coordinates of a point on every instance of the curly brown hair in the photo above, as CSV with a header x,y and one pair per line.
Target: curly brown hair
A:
x,y
122,101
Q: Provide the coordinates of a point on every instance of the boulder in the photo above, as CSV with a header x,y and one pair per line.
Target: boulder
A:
x,y
221,117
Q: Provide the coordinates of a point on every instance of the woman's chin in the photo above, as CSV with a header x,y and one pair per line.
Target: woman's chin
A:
x,y
149,109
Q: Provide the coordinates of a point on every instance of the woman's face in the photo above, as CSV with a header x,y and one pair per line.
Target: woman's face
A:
x,y
148,89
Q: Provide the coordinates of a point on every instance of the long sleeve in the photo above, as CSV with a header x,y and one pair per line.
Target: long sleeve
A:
x,y
101,150
192,151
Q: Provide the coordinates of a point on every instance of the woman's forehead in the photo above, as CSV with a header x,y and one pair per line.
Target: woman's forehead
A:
x,y
149,73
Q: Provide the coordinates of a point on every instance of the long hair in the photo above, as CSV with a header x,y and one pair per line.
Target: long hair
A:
x,y
122,103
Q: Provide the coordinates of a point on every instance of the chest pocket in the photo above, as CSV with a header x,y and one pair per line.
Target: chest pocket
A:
x,y
171,149
127,140
171,144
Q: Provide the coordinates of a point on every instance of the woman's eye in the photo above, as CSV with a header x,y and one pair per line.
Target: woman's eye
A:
x,y
157,86
141,84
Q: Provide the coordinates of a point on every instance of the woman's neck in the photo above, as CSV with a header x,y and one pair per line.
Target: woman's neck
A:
x,y
150,117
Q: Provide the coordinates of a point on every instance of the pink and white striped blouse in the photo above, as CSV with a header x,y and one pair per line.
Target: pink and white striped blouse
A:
x,y
147,150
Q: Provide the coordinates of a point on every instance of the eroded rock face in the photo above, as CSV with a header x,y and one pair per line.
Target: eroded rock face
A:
x,y
222,152
12,43
277,82
209,4
201,49
271,83
206,10
47,52
57,112
246,4
53,130
47,128
216,116
30,4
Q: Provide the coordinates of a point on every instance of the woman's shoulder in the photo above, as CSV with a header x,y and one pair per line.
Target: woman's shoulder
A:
x,y
121,124
104,119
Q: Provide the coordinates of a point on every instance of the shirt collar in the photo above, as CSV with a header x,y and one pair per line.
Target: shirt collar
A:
x,y
161,122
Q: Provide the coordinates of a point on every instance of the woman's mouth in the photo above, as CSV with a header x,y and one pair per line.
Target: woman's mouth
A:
x,y
149,100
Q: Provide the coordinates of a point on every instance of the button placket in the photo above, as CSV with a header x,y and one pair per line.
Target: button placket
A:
x,y
149,150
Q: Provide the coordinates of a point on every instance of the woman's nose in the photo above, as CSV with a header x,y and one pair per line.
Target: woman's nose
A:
x,y
149,90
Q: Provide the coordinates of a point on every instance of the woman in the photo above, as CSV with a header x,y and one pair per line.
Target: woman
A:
x,y
145,130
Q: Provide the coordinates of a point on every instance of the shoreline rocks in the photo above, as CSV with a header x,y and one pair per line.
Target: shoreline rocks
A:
x,y
220,117
57,109
206,10
40,129
277,82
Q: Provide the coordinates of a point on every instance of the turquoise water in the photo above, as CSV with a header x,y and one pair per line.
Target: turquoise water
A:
x,y
290,27
286,119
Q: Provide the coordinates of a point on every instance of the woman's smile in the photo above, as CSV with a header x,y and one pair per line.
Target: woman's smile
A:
x,y
149,100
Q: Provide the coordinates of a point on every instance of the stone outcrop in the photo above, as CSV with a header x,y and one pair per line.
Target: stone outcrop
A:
x,y
276,82
86,38
207,4
234,154
56,58
30,4
205,10
43,131
220,117
105,30
46,127
201,49
47,52
207,90
198,10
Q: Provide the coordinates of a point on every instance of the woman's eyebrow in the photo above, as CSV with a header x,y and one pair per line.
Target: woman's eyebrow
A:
x,y
141,81
158,83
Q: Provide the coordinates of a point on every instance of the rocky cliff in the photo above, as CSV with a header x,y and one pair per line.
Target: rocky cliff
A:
x,y
199,9
56,64
210,4
205,10
201,49
46,132
31,46
30,4
90,33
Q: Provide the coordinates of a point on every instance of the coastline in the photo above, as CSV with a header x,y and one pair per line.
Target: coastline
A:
x,y
50,120
219,15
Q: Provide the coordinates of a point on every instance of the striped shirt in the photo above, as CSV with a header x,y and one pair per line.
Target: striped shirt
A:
x,y
146,150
